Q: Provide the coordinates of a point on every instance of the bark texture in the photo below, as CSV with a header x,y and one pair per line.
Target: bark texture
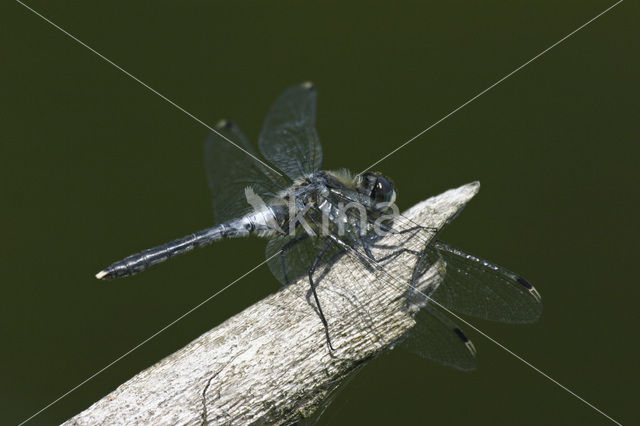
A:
x,y
271,363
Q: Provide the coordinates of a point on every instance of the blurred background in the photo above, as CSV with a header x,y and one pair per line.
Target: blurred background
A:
x,y
95,167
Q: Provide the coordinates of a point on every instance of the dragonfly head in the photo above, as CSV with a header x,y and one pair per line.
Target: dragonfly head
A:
x,y
378,188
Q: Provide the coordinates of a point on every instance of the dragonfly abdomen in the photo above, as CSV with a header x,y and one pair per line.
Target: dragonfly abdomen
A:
x,y
138,262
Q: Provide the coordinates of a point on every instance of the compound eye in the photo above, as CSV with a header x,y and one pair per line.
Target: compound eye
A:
x,y
383,191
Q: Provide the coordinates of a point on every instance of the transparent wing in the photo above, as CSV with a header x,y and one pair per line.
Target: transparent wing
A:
x,y
294,255
434,336
478,288
474,286
289,138
230,171
470,285
439,339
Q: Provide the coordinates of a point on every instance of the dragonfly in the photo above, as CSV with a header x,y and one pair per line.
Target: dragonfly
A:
x,y
304,212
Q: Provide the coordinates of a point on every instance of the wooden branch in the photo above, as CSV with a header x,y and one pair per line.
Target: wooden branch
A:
x,y
271,363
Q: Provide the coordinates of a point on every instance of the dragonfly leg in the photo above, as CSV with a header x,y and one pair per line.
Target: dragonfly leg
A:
x,y
413,229
367,249
312,270
283,258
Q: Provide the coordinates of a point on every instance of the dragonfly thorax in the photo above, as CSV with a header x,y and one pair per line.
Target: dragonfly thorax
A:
x,y
330,202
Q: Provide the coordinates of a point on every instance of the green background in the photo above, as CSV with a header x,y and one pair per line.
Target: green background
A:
x,y
95,167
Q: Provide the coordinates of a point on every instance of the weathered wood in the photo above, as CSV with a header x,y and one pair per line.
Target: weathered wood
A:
x,y
270,363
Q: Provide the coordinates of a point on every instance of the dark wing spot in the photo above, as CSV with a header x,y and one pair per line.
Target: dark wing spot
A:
x,y
461,335
526,284
470,347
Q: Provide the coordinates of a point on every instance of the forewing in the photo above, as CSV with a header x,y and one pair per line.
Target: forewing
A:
x,y
289,138
478,288
230,171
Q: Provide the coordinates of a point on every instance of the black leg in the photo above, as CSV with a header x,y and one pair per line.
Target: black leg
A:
x,y
312,270
415,228
410,229
367,249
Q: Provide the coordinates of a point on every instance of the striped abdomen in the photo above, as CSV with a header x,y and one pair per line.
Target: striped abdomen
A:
x,y
258,222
